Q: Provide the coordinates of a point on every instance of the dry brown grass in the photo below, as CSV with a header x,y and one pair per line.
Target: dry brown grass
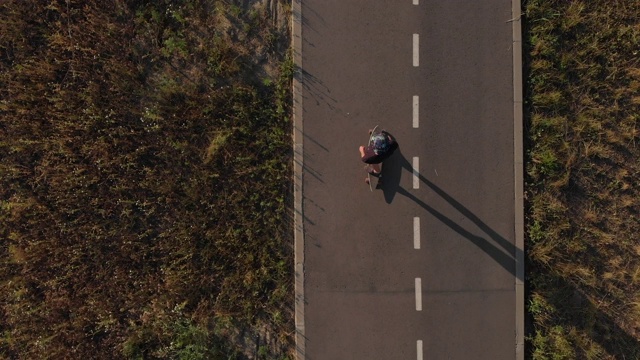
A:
x,y
583,178
144,181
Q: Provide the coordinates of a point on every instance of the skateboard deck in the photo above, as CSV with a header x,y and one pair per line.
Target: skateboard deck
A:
x,y
371,135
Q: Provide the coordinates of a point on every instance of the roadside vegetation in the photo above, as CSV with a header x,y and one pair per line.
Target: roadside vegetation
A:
x,y
144,180
582,72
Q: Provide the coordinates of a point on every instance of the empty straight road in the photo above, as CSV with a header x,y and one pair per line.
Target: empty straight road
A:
x,y
430,266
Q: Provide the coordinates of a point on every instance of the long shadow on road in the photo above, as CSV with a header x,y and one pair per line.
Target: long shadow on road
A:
x,y
572,301
505,253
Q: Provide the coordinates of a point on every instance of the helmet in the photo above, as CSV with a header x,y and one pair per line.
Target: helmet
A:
x,y
380,144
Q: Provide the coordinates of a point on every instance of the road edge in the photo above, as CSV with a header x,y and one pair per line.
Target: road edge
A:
x,y
298,157
518,168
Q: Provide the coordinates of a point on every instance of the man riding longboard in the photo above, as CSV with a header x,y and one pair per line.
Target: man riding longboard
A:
x,y
381,146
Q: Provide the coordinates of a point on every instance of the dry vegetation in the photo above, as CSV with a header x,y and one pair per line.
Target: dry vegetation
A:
x,y
144,180
583,178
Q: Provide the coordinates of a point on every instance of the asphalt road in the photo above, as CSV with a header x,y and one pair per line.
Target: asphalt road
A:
x,y
426,267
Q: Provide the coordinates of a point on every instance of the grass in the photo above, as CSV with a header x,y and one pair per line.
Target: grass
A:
x,y
145,181
582,188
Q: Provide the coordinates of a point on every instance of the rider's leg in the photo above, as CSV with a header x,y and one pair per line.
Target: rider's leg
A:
x,y
374,169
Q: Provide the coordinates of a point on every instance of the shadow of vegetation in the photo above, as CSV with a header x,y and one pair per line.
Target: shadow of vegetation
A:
x,y
311,18
315,89
505,254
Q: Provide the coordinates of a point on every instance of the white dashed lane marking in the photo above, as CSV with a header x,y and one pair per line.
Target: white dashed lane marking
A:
x,y
416,50
416,233
416,111
418,294
416,182
416,172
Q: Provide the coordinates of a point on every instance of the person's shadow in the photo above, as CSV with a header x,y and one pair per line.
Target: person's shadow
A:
x,y
504,253
572,300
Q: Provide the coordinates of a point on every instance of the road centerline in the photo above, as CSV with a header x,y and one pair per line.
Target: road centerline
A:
x,y
416,111
416,50
418,294
416,233
416,172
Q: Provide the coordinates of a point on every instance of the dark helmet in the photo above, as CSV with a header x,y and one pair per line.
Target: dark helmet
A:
x,y
380,144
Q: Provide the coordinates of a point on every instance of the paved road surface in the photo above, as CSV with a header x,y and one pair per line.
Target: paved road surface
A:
x,y
427,267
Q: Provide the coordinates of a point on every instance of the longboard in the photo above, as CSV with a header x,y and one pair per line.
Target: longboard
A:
x,y
373,133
